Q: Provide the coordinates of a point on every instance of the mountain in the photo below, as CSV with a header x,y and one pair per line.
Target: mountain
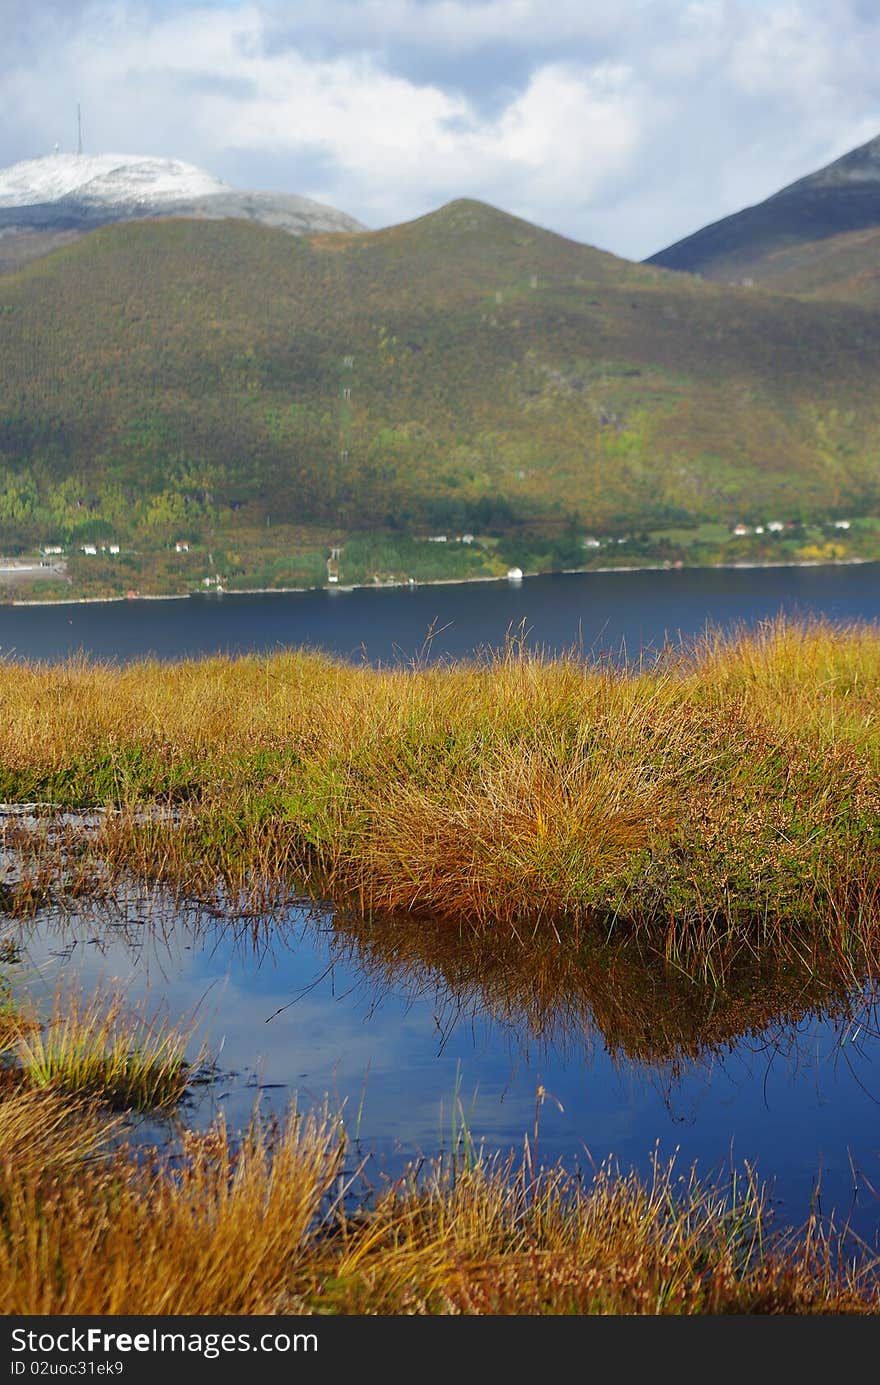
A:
x,y
465,370
845,267
816,233
49,201
104,181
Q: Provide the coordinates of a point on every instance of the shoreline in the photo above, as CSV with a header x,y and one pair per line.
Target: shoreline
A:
x,y
439,581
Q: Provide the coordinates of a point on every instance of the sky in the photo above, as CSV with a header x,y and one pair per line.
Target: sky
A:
x,y
625,124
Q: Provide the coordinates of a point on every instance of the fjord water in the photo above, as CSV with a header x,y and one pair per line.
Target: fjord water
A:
x,y
412,1028
598,612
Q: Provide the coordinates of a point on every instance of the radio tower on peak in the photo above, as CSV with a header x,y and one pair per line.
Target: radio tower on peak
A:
x,y
79,129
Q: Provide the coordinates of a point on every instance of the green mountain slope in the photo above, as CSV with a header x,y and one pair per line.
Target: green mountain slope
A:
x,y
787,229
465,370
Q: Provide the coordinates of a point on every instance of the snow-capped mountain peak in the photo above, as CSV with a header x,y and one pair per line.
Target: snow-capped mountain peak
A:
x,y
69,195
105,180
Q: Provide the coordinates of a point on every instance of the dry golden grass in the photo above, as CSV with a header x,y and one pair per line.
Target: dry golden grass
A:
x,y
220,1234
17,1016
46,1133
11,1021
737,788
265,1227
494,1239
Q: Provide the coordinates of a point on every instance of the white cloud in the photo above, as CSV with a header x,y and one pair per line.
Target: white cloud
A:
x,y
456,26
627,124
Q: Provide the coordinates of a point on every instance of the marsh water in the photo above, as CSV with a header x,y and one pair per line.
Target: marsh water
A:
x,y
416,1030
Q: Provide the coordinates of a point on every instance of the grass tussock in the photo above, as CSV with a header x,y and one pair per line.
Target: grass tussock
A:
x,y
266,1225
16,1013
10,1016
734,789
96,1047
220,1232
45,1134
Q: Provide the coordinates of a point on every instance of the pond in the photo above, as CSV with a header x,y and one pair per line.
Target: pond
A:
x,y
417,1030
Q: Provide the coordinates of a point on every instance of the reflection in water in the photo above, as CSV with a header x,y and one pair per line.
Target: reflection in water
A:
x,y
559,993
393,1016
563,992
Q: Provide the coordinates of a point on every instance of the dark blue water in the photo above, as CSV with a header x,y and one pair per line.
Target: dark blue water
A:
x,y
598,612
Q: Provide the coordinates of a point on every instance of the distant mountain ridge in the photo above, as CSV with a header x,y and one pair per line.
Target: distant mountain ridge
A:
x,y
759,242
45,202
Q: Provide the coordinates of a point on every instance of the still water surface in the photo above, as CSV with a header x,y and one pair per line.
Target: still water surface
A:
x,y
410,1032
594,611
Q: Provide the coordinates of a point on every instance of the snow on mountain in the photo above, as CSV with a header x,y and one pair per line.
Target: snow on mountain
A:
x,y
44,203
105,180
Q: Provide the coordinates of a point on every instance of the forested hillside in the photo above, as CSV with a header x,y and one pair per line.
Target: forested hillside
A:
x,y
465,370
